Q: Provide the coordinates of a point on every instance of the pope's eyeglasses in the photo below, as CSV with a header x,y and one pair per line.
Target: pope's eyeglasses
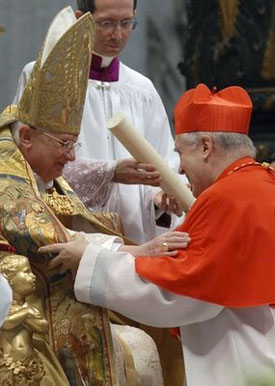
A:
x,y
67,146
111,25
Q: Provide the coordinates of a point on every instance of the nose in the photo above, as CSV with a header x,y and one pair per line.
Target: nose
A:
x,y
181,169
70,154
117,31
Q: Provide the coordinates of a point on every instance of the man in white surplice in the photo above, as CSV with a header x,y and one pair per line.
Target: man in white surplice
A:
x,y
113,87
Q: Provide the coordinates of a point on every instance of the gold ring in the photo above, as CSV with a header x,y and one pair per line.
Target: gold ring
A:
x,y
165,246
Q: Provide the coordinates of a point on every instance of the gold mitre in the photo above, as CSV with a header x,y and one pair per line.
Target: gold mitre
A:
x,y
54,96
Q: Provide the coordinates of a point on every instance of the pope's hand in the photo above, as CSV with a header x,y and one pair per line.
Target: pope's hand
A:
x,y
68,254
168,204
129,171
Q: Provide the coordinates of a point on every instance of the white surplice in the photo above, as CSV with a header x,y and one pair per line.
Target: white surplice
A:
x,y
135,96
222,346
5,298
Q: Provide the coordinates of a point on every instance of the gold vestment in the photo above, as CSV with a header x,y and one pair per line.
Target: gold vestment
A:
x,y
26,223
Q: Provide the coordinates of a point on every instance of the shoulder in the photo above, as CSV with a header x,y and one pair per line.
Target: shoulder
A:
x,y
235,191
223,191
217,198
212,211
135,79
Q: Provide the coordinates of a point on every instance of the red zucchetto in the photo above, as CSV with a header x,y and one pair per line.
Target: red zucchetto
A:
x,y
200,109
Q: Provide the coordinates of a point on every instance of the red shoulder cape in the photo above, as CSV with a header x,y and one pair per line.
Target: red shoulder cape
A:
x,y
231,258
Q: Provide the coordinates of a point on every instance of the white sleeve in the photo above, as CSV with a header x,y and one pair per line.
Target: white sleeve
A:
x,y
112,282
91,180
5,298
100,240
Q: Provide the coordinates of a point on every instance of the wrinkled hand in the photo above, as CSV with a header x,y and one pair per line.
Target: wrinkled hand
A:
x,y
69,254
129,171
168,204
166,244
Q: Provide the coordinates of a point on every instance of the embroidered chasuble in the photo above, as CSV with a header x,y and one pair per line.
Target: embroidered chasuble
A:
x,y
26,223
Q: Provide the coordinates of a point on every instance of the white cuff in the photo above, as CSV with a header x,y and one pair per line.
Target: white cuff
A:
x,y
84,274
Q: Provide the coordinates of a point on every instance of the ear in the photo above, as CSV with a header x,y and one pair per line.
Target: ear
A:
x,y
78,13
26,135
207,146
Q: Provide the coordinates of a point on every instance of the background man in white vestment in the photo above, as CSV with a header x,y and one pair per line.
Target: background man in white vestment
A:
x,y
221,289
114,87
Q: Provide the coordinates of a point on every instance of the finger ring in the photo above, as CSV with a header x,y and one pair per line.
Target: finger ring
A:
x,y
165,246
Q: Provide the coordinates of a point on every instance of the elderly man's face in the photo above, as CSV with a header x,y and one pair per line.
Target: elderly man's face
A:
x,y
192,164
111,42
46,155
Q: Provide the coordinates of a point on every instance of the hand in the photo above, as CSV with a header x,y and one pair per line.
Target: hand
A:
x,y
168,204
129,171
69,254
166,244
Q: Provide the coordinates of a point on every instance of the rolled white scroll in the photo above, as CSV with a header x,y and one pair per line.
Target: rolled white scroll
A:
x,y
143,151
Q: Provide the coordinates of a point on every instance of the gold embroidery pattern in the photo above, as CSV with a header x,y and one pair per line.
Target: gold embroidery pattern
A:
x,y
54,96
55,93
26,222
264,165
61,205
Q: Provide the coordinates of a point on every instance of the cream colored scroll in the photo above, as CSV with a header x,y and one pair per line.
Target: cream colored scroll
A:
x,y
143,151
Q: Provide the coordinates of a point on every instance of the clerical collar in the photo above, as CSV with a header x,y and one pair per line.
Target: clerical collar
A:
x,y
104,69
244,163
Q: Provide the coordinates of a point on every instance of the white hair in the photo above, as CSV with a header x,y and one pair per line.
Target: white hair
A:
x,y
228,142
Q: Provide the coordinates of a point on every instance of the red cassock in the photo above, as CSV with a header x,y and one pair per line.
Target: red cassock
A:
x,y
231,258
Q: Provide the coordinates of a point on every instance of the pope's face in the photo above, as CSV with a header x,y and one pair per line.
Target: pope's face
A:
x,y
192,164
111,42
47,156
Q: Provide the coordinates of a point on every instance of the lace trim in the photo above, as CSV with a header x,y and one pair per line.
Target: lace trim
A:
x,y
91,180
